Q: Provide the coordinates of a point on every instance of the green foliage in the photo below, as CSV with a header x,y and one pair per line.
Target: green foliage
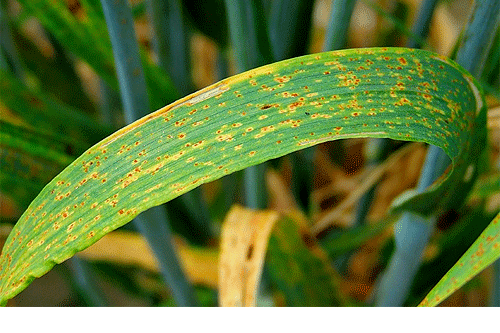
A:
x,y
191,142
48,123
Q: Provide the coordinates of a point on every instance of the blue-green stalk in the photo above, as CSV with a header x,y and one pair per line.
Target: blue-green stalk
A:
x,y
340,17
170,42
111,106
421,26
86,282
153,223
248,33
290,24
336,39
495,288
412,232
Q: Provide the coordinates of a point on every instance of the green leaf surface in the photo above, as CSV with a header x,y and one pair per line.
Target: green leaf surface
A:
x,y
244,120
351,239
484,251
299,267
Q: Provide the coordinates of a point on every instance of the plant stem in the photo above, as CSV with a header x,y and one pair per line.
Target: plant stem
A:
x,y
171,42
248,32
111,105
153,224
289,27
421,26
85,279
340,17
412,232
495,292
289,31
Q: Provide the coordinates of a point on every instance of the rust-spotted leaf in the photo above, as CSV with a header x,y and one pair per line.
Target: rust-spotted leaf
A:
x,y
244,120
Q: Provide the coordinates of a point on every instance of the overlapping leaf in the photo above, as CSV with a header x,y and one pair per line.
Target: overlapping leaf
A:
x,y
484,251
244,120
300,268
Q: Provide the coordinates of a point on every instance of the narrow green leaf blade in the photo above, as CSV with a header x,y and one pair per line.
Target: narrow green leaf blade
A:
x,y
29,159
241,121
484,251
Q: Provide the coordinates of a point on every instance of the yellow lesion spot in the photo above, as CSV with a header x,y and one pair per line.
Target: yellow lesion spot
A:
x,y
263,117
156,187
427,97
252,153
403,101
178,155
197,144
269,128
402,61
225,137
295,105
282,79
238,147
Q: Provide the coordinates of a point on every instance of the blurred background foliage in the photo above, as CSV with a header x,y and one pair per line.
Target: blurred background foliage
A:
x,y
60,94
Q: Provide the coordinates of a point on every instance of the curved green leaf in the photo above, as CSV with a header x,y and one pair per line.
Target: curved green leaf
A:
x,y
241,121
484,251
